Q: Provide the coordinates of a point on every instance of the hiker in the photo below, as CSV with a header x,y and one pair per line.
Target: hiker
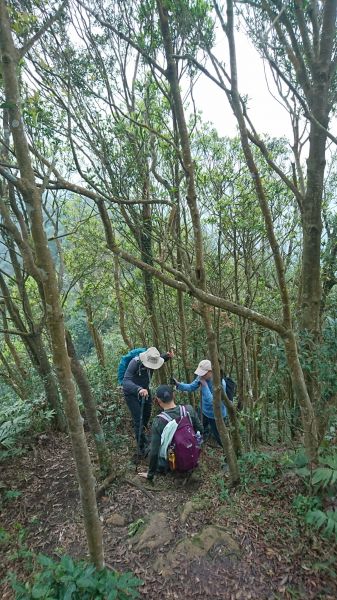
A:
x,y
165,397
204,381
136,383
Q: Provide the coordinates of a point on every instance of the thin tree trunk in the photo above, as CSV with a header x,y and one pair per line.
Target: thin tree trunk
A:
x,y
120,303
218,394
47,275
249,398
89,407
10,345
180,296
300,389
147,256
47,375
200,276
235,431
13,378
96,337
33,343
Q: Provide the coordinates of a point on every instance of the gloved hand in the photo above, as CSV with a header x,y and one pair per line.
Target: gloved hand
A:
x,y
174,381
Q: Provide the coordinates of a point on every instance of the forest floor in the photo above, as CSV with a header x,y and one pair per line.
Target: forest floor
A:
x,y
200,542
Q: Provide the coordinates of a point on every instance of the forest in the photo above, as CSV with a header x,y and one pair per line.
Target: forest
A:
x,y
128,220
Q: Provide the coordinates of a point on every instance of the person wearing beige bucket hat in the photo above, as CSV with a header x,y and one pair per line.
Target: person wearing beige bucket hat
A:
x,y
204,381
136,384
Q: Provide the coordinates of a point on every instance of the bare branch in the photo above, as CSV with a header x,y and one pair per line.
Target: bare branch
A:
x,y
28,45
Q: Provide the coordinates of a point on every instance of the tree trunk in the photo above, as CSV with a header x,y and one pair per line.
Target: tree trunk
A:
x,y
33,343
308,415
218,395
147,257
44,263
235,430
301,393
248,390
96,337
47,375
13,379
180,295
311,291
90,408
120,304
172,77
11,347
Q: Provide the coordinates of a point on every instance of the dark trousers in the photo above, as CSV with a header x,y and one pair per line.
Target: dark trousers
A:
x,y
135,407
210,426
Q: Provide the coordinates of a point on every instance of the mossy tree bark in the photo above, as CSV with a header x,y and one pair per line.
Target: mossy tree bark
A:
x,y
299,385
200,275
89,404
31,194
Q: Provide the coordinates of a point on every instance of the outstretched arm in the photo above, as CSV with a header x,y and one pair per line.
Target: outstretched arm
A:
x,y
188,387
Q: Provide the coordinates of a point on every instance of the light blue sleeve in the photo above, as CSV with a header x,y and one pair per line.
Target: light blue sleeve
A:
x,y
189,387
206,394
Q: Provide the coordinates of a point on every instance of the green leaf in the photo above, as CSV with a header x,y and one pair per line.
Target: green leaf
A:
x,y
331,461
87,583
134,527
45,561
39,591
68,563
303,472
8,104
69,591
322,476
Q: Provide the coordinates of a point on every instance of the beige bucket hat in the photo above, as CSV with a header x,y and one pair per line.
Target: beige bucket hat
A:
x,y
151,358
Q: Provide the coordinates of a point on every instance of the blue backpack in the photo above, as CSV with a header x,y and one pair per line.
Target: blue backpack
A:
x,y
124,362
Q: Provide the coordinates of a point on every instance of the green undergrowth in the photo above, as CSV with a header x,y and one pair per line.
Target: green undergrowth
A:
x,y
308,492
20,421
67,579
60,578
317,505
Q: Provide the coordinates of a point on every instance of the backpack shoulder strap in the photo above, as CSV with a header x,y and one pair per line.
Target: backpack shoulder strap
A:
x,y
184,413
165,417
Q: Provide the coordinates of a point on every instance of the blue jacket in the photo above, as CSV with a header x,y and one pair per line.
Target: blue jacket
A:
x,y
206,395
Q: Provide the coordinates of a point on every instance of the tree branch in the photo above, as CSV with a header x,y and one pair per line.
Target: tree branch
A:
x,y
121,35
28,45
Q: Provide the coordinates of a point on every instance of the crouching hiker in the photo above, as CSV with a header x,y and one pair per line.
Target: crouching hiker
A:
x,y
176,436
136,383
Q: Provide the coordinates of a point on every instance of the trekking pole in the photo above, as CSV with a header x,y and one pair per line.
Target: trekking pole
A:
x,y
141,399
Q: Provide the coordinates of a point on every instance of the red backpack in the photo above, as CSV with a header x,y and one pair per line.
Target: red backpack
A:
x,y
184,450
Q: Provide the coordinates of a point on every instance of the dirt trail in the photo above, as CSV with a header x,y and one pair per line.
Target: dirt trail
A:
x,y
271,557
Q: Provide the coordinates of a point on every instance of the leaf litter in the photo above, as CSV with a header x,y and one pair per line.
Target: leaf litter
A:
x,y
279,557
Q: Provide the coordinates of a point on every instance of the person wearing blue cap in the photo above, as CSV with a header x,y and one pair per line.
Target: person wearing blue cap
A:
x,y
165,397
